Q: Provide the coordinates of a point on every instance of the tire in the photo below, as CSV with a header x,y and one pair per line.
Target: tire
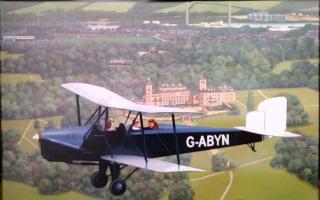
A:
x,y
98,182
117,187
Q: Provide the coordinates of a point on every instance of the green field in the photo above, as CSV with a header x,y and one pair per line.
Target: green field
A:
x,y
255,5
26,128
5,54
17,78
221,7
257,180
314,9
14,190
199,8
109,6
111,40
286,65
42,8
260,181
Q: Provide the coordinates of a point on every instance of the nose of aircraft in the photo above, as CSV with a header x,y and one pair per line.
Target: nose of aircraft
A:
x,y
36,136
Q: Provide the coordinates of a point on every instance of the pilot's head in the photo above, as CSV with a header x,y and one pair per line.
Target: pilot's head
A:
x,y
136,123
152,124
109,123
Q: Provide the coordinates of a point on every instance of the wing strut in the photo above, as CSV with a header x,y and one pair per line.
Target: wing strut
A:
x,y
106,119
144,139
125,123
105,110
78,110
98,109
175,138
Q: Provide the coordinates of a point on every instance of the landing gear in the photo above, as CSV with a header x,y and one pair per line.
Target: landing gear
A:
x,y
117,187
252,146
97,181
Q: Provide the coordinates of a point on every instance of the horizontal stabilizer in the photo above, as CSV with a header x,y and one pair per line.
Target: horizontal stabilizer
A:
x,y
273,133
152,164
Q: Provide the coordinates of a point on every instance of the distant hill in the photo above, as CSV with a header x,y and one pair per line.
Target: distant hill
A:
x,y
42,8
145,8
294,6
244,6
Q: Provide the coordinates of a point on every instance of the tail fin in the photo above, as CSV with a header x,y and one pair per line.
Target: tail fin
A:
x,y
270,119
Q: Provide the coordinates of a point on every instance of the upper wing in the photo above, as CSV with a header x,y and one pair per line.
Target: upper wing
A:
x,y
152,164
107,98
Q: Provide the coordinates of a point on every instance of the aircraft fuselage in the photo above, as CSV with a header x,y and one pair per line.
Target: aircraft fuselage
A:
x,y
89,144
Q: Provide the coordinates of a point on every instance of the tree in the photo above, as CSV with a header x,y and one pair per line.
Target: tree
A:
x,y
181,191
45,186
36,125
10,139
295,111
299,156
50,125
221,162
234,110
250,101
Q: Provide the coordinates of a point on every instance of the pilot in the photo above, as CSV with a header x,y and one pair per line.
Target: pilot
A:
x,y
109,126
135,125
152,124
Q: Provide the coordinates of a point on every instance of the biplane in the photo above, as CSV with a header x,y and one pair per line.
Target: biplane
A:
x,y
92,144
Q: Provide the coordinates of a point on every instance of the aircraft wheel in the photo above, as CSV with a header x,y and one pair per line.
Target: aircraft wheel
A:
x,y
117,187
97,181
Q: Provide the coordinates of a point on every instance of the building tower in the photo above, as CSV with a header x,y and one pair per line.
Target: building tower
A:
x,y
202,84
148,93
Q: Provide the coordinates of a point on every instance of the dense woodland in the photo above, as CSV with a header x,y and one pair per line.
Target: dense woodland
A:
x,y
299,156
242,64
295,111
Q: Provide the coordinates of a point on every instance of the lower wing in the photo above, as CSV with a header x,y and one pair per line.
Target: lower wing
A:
x,y
151,164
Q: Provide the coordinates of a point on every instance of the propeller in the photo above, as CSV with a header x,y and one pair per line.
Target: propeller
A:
x,y
36,136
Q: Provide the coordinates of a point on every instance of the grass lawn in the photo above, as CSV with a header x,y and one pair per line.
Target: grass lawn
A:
x,y
14,190
41,8
5,54
260,181
210,188
199,7
256,5
116,40
222,7
21,126
286,65
14,79
109,6
313,9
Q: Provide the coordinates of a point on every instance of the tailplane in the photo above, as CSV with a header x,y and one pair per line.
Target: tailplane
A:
x,y
270,119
